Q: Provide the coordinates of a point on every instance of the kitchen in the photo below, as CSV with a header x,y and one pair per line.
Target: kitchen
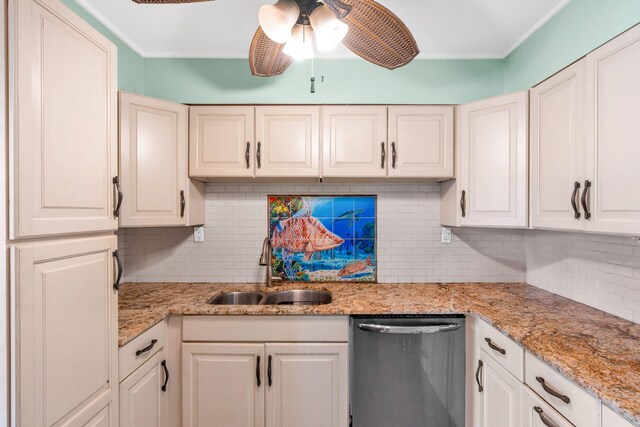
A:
x,y
203,231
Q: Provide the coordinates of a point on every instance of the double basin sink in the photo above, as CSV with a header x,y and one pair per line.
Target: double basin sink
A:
x,y
286,297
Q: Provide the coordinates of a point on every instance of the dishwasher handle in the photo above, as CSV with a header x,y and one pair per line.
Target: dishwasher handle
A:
x,y
422,329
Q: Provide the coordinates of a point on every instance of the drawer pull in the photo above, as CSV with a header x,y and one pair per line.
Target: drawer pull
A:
x,y
166,375
478,373
269,372
552,392
383,155
259,155
247,155
394,155
574,202
585,202
147,348
116,256
258,371
116,210
183,204
546,421
495,347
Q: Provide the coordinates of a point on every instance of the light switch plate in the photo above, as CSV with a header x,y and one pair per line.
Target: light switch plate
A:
x,y
445,236
198,234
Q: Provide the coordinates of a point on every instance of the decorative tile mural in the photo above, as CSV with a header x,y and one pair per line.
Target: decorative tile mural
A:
x,y
323,238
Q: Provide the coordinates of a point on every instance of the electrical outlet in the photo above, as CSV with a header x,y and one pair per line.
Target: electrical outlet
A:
x,y
198,234
445,236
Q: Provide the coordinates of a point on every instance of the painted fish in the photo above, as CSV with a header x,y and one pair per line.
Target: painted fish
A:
x,y
304,234
349,215
355,267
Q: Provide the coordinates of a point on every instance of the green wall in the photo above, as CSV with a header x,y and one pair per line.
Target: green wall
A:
x,y
225,81
130,64
576,30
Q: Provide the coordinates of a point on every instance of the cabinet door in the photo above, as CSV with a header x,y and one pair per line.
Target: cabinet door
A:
x,y
354,142
537,413
308,385
142,400
558,149
500,399
153,161
63,135
221,142
67,331
287,141
493,161
223,385
421,142
613,108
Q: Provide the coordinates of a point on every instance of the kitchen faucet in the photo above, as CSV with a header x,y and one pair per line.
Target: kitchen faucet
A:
x,y
265,261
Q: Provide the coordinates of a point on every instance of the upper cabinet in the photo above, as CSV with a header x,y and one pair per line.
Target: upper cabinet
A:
x,y
63,130
221,142
354,141
492,185
421,142
153,165
287,141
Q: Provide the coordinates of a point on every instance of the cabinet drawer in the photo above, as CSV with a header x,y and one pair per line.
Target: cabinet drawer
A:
x,y
538,413
576,405
129,360
503,350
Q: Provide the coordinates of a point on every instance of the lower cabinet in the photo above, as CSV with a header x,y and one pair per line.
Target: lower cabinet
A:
x,y
143,395
265,384
498,394
537,413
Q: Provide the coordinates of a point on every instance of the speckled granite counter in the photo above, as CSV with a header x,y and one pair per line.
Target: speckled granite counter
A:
x,y
599,351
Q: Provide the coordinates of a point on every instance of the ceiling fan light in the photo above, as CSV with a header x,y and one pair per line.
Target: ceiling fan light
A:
x,y
300,46
329,30
277,19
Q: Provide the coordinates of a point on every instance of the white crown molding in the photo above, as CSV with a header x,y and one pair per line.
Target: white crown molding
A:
x,y
553,12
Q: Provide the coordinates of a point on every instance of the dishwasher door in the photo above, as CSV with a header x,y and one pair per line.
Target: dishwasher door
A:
x,y
408,371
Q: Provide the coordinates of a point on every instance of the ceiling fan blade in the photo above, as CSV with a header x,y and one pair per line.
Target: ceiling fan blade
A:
x,y
265,56
378,35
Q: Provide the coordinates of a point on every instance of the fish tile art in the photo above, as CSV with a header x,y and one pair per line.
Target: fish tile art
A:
x,y
323,238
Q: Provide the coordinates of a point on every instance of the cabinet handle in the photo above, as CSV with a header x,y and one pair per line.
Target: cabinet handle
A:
x,y
478,373
585,204
183,204
552,392
258,155
116,210
269,372
383,156
574,199
166,375
463,203
495,347
258,371
147,348
543,418
394,155
247,154
116,256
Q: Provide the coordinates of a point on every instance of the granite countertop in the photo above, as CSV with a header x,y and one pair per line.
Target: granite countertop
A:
x,y
599,351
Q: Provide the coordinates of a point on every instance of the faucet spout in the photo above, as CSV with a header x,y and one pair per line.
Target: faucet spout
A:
x,y
265,261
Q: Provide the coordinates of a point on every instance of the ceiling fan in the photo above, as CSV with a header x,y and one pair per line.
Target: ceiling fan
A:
x,y
289,28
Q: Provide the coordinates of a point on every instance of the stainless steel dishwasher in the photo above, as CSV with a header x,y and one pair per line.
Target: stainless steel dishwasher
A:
x,y
407,371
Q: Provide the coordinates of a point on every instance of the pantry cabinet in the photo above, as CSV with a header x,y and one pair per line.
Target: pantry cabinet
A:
x,y
156,190
287,141
66,319
63,127
354,141
221,142
491,189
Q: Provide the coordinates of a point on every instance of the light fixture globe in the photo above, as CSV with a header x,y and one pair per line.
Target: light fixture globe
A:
x,y
300,46
278,19
329,30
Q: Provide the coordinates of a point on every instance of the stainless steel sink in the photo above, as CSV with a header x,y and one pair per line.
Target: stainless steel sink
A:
x,y
237,298
297,297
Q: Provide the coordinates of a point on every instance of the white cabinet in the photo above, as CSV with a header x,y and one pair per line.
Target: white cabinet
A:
x,y
498,395
613,108
221,142
153,165
611,419
63,122
143,395
66,332
223,384
491,189
288,143
354,141
307,385
558,150
421,142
